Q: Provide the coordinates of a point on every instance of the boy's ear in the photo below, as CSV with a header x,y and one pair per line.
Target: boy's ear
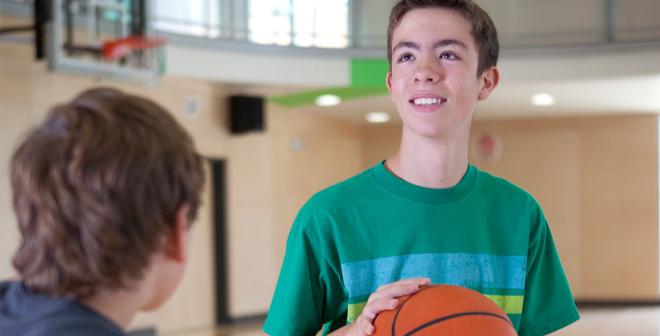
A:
x,y
388,82
176,242
489,80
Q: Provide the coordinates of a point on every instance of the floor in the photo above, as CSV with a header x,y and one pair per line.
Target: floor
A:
x,y
642,321
616,322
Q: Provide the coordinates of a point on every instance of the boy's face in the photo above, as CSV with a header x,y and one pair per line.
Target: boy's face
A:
x,y
433,80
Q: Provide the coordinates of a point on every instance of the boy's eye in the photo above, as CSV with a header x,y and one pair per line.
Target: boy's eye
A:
x,y
448,56
406,57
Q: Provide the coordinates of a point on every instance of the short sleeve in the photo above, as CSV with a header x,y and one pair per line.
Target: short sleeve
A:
x,y
308,293
548,304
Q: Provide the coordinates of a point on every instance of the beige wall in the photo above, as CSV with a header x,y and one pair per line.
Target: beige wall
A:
x,y
309,154
597,181
380,143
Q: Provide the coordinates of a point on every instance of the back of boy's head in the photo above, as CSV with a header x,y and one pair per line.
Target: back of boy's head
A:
x,y
483,32
96,187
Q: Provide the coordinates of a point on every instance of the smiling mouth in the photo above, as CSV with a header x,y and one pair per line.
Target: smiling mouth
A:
x,y
427,101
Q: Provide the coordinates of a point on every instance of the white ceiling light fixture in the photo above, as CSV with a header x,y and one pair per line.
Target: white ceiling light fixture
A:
x,y
378,117
327,100
543,99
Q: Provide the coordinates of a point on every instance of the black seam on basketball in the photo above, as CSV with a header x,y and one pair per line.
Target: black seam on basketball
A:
x,y
449,317
398,310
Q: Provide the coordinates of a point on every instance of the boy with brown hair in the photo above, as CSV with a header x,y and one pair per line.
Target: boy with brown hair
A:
x,y
105,191
424,215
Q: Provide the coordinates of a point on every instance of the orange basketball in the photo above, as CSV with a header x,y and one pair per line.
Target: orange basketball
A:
x,y
444,310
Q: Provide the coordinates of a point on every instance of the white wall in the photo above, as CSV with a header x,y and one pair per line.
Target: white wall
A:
x,y
254,67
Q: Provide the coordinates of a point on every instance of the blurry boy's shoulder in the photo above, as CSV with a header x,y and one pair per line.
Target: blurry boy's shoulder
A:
x,y
25,313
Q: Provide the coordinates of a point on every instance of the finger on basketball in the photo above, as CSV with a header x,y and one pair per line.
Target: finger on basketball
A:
x,y
377,306
365,325
409,281
396,289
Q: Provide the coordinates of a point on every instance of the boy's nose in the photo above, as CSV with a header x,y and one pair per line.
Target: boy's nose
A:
x,y
427,74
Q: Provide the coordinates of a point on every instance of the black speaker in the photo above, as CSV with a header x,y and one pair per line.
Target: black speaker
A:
x,y
246,114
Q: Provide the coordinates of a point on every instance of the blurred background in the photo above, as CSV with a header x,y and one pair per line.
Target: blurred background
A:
x,y
286,97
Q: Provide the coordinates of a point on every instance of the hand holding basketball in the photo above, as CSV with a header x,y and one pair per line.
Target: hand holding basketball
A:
x,y
385,298
444,310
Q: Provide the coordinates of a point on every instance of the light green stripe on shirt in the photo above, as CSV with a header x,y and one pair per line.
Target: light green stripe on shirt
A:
x,y
354,310
510,304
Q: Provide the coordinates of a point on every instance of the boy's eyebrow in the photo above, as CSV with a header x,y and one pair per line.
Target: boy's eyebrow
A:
x,y
447,42
437,44
406,44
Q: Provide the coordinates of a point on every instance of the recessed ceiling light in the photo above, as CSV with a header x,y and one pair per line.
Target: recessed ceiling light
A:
x,y
378,117
327,100
543,99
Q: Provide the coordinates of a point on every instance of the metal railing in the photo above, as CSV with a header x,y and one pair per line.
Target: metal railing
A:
x,y
360,25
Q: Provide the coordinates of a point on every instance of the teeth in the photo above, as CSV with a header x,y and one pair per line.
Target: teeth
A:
x,y
426,101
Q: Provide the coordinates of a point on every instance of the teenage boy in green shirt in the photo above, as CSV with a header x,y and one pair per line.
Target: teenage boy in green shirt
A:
x,y
424,215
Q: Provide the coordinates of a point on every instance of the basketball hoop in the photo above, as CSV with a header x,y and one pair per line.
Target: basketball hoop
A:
x,y
116,49
109,39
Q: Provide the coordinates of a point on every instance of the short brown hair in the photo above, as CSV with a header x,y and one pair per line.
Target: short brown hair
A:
x,y
483,28
95,188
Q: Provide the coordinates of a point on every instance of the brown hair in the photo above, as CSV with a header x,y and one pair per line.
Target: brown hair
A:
x,y
483,28
95,188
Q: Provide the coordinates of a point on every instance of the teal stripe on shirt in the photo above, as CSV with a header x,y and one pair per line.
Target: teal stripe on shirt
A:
x,y
460,269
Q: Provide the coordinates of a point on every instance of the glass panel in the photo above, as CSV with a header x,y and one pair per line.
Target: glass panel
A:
x,y
321,23
637,20
269,21
315,23
525,23
188,17
325,23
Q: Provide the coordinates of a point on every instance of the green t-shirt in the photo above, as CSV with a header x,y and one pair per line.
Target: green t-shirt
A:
x,y
375,228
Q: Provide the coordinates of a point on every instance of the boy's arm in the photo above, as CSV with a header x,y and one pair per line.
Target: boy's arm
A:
x,y
298,302
548,305
309,289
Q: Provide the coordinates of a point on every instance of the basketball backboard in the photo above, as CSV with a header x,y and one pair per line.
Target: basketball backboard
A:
x,y
105,39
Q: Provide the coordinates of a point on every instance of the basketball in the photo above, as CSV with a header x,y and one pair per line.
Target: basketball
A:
x,y
443,310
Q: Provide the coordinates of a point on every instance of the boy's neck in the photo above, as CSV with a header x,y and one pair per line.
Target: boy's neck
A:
x,y
118,306
430,163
